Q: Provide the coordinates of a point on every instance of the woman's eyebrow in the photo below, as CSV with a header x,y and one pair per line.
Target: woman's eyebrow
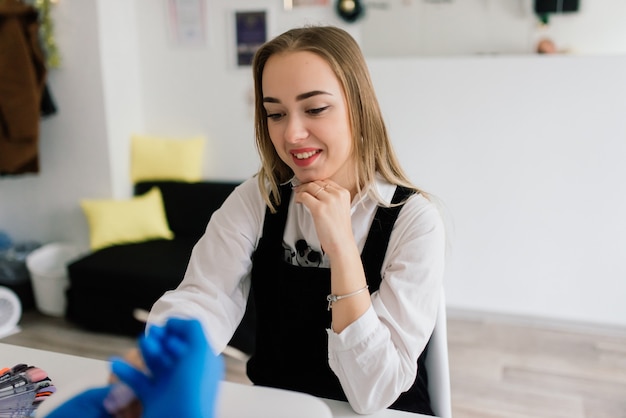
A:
x,y
310,94
299,97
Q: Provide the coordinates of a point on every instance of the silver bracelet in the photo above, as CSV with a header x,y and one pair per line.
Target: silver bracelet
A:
x,y
334,298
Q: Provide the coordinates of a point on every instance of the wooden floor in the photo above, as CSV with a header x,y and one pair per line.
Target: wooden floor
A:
x,y
499,368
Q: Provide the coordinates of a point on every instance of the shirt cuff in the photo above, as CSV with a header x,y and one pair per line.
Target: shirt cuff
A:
x,y
355,333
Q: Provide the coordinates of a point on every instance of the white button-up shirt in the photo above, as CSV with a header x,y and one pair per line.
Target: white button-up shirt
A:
x,y
375,357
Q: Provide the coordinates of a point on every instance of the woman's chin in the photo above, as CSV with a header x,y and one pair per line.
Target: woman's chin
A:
x,y
306,179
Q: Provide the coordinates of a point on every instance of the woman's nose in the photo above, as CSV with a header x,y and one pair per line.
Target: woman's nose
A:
x,y
295,130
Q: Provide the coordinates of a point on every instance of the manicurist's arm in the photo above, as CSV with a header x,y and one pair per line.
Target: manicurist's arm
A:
x,y
179,377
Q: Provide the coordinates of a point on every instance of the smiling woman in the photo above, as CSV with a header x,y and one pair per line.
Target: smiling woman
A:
x,y
330,216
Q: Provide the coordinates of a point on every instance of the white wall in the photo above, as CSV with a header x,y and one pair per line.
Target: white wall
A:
x,y
121,78
525,151
527,155
471,27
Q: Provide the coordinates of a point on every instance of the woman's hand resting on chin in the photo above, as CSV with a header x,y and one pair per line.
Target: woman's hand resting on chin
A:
x,y
329,204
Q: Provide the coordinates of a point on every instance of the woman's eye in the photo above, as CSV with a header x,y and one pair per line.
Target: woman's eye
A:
x,y
317,110
274,116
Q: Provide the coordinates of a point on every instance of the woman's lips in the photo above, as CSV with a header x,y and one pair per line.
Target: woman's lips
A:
x,y
305,157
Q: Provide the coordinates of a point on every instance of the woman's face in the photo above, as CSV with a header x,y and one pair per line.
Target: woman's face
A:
x,y
308,118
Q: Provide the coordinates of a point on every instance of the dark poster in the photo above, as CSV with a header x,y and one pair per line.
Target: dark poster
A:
x,y
251,29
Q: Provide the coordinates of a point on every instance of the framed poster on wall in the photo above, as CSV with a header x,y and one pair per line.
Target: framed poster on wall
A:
x,y
251,31
187,22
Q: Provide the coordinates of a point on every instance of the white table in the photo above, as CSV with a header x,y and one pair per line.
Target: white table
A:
x,y
73,374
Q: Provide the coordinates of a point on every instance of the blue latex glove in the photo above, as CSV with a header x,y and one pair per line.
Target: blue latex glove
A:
x,y
88,404
183,376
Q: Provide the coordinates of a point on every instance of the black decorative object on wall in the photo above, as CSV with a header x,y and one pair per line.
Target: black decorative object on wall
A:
x,y
544,8
349,10
556,6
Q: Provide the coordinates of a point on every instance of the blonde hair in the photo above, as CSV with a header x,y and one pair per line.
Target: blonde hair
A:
x,y
372,150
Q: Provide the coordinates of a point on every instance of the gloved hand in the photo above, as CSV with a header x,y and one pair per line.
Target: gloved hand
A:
x,y
88,404
183,375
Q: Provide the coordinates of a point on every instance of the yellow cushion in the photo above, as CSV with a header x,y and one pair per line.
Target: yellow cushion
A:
x,y
138,219
155,158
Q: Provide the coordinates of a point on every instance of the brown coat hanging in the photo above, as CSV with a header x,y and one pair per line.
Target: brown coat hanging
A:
x,y
22,80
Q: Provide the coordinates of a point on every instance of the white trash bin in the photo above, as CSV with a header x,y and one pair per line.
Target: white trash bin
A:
x,y
47,266
10,312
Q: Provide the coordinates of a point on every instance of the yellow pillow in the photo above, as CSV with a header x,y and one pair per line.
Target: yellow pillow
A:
x,y
166,159
139,219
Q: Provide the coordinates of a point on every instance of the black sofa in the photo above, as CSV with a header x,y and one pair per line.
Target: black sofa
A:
x,y
107,285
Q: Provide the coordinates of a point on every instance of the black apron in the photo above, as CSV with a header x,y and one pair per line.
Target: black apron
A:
x,y
292,316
